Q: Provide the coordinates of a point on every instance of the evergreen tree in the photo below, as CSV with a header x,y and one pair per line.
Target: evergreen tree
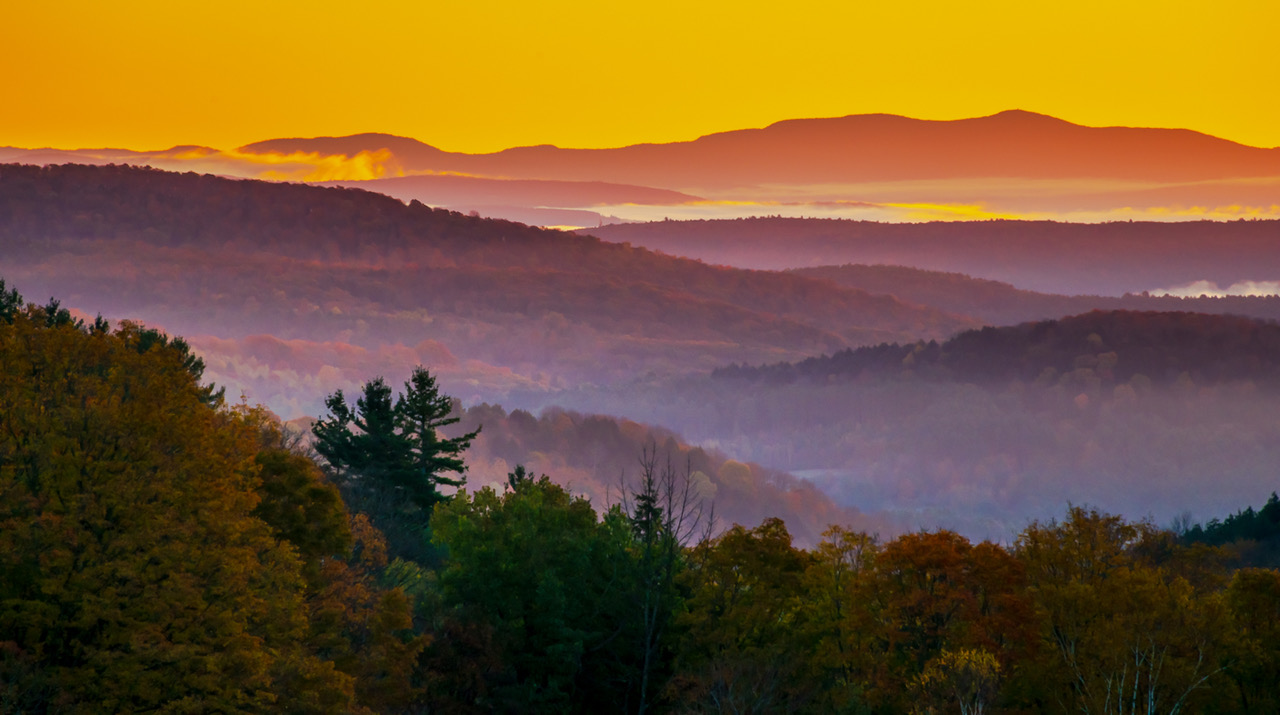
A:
x,y
419,416
389,458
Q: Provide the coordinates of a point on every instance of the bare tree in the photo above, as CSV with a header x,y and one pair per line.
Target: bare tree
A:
x,y
667,513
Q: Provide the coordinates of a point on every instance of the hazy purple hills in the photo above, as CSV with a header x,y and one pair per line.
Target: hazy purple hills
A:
x,y
1048,256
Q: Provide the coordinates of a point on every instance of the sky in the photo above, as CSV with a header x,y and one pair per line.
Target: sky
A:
x,y
484,75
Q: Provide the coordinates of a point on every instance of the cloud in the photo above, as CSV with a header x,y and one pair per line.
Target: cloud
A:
x,y
298,166
950,212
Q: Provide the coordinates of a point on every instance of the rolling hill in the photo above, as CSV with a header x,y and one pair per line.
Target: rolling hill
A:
x,y
1152,415
341,279
1049,256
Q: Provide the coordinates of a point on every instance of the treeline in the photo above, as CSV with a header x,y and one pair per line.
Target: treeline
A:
x,y
165,552
1109,346
1253,536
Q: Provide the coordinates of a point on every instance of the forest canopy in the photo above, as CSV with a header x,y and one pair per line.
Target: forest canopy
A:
x,y
148,559
162,551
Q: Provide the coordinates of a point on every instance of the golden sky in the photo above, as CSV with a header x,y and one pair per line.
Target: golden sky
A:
x,y
482,75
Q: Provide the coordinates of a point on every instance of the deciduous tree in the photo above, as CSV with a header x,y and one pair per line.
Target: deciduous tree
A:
x,y
1120,635
534,570
133,573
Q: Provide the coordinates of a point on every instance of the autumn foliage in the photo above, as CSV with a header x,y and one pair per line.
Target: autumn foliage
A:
x,y
158,552
162,551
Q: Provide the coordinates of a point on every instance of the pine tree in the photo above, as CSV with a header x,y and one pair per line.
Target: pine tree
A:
x,y
419,416
389,458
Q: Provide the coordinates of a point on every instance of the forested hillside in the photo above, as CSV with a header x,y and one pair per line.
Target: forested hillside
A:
x,y
1111,347
1145,414
599,456
360,283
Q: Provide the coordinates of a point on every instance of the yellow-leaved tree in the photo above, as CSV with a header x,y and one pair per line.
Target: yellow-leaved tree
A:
x,y
133,574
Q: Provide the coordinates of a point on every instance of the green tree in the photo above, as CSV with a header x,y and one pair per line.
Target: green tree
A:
x,y
745,646
544,587
843,617
419,416
10,303
390,460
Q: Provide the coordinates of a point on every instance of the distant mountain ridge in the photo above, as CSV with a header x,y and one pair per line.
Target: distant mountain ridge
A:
x,y
855,148
881,167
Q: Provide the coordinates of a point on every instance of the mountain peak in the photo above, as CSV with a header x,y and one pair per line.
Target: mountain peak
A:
x,y
1022,114
1023,117
349,145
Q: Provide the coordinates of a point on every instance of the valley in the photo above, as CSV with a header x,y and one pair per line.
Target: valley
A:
x,y
290,292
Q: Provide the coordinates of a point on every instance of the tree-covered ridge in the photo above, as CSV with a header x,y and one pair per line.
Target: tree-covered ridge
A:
x,y
42,204
55,204
1257,525
513,307
1112,346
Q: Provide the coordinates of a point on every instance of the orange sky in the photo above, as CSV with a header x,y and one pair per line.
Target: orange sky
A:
x,y
483,75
